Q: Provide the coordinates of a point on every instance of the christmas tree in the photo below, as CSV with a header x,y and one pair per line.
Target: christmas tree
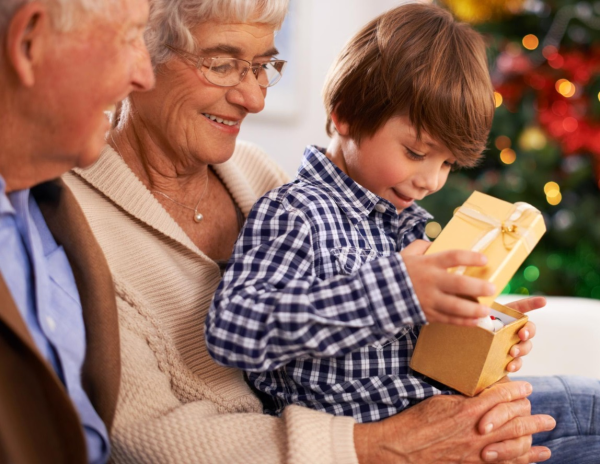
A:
x,y
544,147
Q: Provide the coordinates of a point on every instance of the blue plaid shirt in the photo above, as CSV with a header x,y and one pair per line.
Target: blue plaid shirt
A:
x,y
316,304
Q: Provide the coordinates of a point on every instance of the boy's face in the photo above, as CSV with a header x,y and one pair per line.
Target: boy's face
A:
x,y
394,164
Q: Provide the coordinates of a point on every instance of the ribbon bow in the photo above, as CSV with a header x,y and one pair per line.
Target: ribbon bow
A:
x,y
510,229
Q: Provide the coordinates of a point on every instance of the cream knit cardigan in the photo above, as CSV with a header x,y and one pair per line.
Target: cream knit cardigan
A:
x,y
176,404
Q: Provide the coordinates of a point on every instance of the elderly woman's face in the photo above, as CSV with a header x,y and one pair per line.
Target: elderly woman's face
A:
x,y
185,108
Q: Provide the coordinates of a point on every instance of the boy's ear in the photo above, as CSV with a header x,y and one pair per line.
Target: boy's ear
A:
x,y
24,40
341,127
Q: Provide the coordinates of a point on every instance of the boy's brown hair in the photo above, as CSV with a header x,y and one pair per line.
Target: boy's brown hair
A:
x,y
415,59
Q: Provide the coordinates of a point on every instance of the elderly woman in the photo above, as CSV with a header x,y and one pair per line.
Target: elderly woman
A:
x,y
166,202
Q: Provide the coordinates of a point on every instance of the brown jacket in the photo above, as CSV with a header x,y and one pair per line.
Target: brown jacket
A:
x,y
38,423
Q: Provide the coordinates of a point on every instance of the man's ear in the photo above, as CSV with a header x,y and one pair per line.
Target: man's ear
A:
x,y
24,40
341,127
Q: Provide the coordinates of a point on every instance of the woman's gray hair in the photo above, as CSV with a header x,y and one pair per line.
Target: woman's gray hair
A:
x,y
65,13
171,21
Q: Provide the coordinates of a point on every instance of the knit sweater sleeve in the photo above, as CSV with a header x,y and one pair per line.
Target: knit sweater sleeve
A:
x,y
163,424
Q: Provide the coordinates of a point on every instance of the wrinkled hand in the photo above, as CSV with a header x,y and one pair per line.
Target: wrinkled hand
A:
x,y
442,294
527,332
496,426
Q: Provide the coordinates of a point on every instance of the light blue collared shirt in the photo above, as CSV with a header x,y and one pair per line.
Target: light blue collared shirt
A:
x,y
39,277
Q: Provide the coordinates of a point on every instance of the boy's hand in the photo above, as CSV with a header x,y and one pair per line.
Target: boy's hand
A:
x,y
442,294
526,333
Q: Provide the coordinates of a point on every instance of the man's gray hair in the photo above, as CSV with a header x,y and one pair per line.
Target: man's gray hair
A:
x,y
171,21
7,10
64,12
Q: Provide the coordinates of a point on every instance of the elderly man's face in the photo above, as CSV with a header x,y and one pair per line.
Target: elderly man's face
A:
x,y
86,73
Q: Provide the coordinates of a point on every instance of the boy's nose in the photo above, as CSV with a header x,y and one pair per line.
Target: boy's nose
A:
x,y
429,181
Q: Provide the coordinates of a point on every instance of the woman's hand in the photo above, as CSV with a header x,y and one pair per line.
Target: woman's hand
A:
x,y
496,426
526,333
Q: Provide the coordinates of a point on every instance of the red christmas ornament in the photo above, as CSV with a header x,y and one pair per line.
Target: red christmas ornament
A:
x,y
564,111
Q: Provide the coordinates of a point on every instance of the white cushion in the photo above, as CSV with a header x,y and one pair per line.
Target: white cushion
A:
x,y
567,339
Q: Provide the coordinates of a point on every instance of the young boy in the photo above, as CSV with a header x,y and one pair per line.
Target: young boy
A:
x,y
323,297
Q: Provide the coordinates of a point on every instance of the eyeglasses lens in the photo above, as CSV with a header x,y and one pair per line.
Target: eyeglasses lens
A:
x,y
231,71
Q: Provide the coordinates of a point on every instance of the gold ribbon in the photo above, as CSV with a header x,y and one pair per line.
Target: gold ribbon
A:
x,y
511,229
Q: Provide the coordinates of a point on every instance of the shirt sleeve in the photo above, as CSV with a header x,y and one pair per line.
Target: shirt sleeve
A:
x,y
270,307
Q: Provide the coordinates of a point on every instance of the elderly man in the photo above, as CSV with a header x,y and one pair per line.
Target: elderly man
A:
x,y
62,64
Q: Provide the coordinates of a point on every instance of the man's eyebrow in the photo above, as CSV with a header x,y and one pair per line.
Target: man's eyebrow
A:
x,y
234,51
271,52
222,48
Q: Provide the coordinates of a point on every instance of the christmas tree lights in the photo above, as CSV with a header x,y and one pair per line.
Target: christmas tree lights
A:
x,y
544,147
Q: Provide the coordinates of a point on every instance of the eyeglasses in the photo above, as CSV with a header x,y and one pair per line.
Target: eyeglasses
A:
x,y
228,72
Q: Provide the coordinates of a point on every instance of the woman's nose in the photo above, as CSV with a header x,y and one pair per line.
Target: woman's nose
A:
x,y
248,94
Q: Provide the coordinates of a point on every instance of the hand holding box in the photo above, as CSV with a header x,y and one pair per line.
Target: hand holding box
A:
x,y
469,359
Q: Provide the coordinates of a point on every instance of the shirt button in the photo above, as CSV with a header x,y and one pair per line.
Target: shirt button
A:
x,y
51,323
380,208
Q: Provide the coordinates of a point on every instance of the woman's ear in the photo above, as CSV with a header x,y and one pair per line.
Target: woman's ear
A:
x,y
24,40
341,127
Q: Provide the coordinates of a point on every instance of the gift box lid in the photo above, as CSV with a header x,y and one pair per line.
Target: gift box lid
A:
x,y
505,232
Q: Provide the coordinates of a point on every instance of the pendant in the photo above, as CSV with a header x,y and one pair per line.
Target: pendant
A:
x,y
198,217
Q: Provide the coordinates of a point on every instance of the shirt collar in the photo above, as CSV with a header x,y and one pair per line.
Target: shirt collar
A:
x,y
6,206
356,201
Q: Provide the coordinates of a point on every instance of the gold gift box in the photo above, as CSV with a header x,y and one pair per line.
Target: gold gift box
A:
x,y
469,359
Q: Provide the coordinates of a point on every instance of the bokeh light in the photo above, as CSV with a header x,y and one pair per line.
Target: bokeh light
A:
x,y
530,42
531,273
550,186
533,138
502,142
554,199
557,62
508,156
565,87
433,229
498,99
570,124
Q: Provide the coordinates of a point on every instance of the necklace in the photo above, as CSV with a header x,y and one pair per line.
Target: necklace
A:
x,y
197,216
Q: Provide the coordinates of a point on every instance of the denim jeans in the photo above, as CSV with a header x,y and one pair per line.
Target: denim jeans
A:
x,y
575,404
